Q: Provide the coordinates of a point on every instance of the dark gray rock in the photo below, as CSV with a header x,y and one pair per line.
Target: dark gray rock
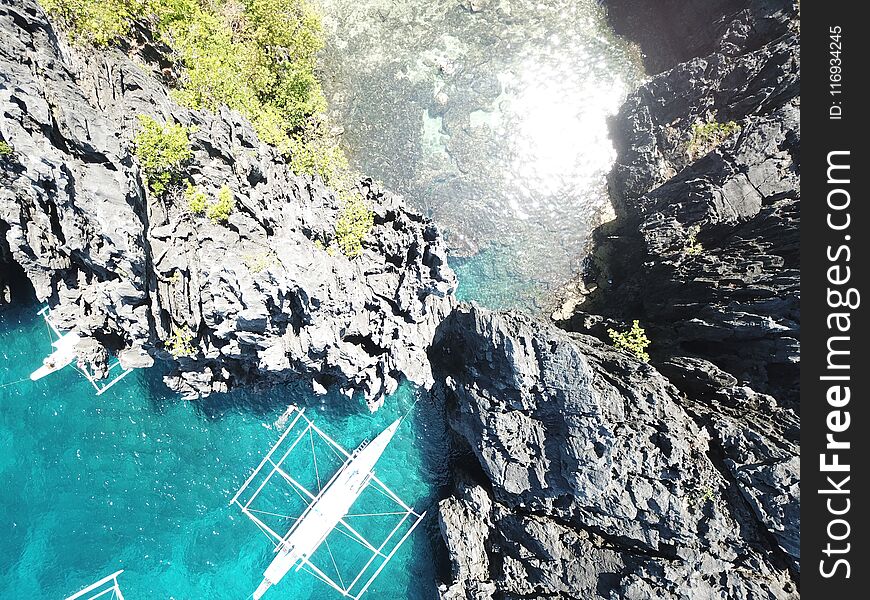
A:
x,y
704,250
673,31
262,299
593,480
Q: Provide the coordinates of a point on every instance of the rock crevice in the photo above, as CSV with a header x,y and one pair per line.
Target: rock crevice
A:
x,y
260,297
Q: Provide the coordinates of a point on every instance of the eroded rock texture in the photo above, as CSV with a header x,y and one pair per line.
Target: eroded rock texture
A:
x,y
262,298
592,475
586,477
704,250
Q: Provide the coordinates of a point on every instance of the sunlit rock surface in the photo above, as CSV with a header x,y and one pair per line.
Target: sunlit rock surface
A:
x,y
585,476
260,296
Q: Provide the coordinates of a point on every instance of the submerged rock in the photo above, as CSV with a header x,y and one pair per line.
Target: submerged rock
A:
x,y
259,297
587,476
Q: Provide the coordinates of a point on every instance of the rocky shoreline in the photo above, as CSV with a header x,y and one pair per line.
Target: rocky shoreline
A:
x,y
262,298
590,474
581,472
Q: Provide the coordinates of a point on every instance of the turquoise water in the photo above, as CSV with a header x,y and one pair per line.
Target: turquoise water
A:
x,y
491,279
491,118
140,480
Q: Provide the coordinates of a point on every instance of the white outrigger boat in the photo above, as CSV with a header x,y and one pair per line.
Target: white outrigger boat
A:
x,y
327,510
106,588
64,354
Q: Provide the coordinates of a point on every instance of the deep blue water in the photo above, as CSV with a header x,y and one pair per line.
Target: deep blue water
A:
x,y
139,479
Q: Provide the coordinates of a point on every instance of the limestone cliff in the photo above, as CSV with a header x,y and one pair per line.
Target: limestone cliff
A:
x,y
261,297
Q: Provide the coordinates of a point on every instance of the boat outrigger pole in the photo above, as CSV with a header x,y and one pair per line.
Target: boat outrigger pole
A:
x,y
64,354
101,589
326,511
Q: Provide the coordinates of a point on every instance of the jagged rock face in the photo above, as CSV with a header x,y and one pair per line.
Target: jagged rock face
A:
x,y
263,299
587,478
704,250
674,31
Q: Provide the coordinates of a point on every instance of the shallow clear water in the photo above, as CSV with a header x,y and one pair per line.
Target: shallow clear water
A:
x,y
493,122
490,116
140,480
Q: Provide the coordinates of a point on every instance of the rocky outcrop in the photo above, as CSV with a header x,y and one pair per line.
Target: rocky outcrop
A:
x,y
704,250
588,474
260,296
674,31
586,477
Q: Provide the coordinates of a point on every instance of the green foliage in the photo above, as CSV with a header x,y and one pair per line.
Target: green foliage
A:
x,y
5,149
693,246
700,496
97,22
197,200
318,154
161,150
255,56
634,341
219,212
354,223
179,343
260,261
709,135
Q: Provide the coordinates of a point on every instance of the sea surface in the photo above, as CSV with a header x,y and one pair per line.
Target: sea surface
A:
x,y
141,480
491,117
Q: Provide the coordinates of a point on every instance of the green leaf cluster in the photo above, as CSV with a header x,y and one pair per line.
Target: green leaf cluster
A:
x,y
693,246
260,261
97,22
634,341
179,343
197,200
161,151
5,149
708,136
255,56
219,212
354,223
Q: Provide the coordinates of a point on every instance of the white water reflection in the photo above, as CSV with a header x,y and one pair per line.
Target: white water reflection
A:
x,y
494,122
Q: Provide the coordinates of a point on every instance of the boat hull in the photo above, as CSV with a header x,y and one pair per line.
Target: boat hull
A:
x,y
64,354
326,511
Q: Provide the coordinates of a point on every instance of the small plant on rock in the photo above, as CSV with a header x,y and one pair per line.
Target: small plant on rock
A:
x,y
693,246
707,136
5,149
354,223
700,496
259,262
197,200
219,212
634,341
179,343
161,150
